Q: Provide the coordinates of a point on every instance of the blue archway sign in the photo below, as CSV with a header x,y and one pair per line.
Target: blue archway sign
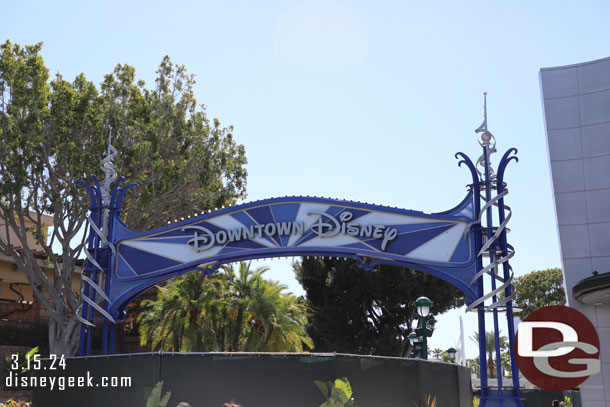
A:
x,y
440,244
453,245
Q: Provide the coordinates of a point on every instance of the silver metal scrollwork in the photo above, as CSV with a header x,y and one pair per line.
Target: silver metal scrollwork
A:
x,y
109,171
488,142
95,285
111,175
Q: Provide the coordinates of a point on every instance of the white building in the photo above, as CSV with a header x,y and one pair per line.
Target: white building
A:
x,y
576,102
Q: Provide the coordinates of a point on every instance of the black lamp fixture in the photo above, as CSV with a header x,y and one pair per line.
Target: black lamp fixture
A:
x,y
423,332
452,351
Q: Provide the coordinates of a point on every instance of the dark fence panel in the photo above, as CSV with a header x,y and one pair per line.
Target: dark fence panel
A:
x,y
443,381
262,380
464,386
538,397
142,369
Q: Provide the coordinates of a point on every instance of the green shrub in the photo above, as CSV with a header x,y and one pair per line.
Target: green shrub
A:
x,y
337,393
153,396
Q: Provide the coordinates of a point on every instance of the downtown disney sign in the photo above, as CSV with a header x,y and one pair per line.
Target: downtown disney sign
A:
x,y
325,226
461,246
297,226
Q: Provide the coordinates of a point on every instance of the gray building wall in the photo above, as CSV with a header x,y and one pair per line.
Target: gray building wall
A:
x,y
576,102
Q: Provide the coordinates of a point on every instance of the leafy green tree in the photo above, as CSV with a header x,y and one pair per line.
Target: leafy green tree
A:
x,y
365,312
53,132
539,289
445,357
165,136
228,312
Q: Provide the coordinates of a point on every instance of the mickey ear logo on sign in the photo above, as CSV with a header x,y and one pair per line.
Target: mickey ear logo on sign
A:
x,y
557,348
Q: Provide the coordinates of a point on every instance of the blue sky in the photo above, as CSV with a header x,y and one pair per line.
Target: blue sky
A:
x,y
357,100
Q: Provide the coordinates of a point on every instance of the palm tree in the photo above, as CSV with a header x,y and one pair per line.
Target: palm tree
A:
x,y
437,353
229,312
276,320
215,308
172,321
474,366
241,286
506,365
490,345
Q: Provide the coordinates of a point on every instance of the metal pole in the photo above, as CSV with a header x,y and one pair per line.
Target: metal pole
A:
x,y
481,282
506,269
105,214
110,326
424,349
491,260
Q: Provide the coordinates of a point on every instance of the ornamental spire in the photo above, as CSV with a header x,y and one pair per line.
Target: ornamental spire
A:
x,y
483,127
488,142
109,171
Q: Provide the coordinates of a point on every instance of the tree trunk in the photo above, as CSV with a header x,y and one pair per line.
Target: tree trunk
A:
x,y
491,366
63,338
237,329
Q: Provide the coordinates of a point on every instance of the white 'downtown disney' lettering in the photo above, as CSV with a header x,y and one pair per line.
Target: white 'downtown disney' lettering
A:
x,y
204,238
326,226
330,227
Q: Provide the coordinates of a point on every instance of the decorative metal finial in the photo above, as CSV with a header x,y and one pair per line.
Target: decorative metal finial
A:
x,y
486,136
109,171
483,126
488,142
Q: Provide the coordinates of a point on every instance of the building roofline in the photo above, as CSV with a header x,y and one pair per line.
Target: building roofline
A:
x,y
556,68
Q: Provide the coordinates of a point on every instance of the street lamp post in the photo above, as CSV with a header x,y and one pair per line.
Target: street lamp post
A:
x,y
423,332
452,351
413,339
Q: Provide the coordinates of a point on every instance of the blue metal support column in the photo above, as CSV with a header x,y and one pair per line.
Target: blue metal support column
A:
x,y
100,254
498,251
475,189
508,293
491,251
